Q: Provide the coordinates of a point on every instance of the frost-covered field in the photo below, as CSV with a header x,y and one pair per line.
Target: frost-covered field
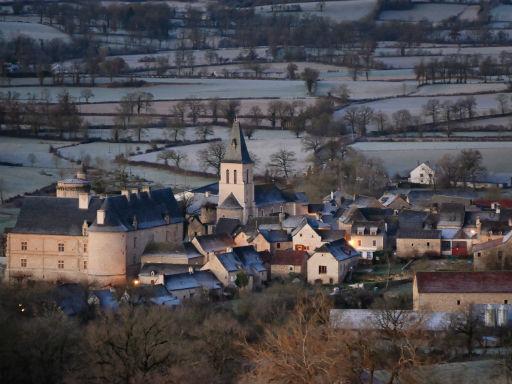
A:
x,y
453,89
432,12
17,150
11,30
104,151
155,134
400,157
263,144
348,10
502,12
18,180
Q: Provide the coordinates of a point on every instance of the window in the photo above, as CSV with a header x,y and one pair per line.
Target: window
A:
x,y
23,245
374,243
421,174
428,244
278,245
23,263
479,254
505,301
60,264
85,264
322,269
234,177
134,242
290,268
227,176
359,242
85,247
247,176
61,247
458,302
500,255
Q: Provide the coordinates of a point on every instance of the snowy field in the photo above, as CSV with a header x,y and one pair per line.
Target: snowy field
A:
x,y
454,89
401,157
18,180
104,151
431,12
11,30
348,10
502,12
17,150
155,134
263,144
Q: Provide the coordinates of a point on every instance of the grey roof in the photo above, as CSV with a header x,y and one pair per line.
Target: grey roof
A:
x,y
107,299
419,234
54,216
340,249
331,234
250,259
275,236
149,209
412,219
207,280
236,151
216,242
71,298
230,202
266,194
230,261
227,225
177,282
212,188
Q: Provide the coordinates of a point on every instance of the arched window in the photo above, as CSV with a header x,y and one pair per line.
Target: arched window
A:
x,y
227,176
234,176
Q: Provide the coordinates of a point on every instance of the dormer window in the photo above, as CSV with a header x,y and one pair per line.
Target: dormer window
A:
x,y
373,231
360,231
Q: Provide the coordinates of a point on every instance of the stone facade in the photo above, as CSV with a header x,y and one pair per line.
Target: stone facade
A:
x,y
493,255
418,244
422,174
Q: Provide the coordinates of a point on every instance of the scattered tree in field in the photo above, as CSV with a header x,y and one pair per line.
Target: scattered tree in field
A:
x,y
291,70
113,67
310,77
312,143
470,165
230,109
195,107
432,109
86,94
214,107
502,100
381,119
212,156
31,159
256,117
402,120
282,163
203,131
176,129
176,157
179,111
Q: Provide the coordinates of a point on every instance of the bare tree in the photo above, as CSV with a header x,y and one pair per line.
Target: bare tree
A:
x,y
256,116
87,94
312,143
212,156
230,109
291,70
175,156
176,129
467,325
195,107
432,109
203,131
282,162
310,77
502,100
381,119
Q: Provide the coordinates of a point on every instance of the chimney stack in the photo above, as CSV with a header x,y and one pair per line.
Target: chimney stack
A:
x,y
83,200
126,193
100,216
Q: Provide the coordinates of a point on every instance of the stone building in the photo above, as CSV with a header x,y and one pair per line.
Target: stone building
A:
x,y
493,255
453,291
73,186
90,238
422,174
418,243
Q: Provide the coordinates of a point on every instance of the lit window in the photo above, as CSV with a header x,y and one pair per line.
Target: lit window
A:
x,y
61,247
322,269
60,264
23,245
23,263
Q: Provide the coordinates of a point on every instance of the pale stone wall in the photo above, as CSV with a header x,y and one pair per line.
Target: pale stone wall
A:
x,y
406,248
284,270
366,242
494,259
307,239
261,244
332,275
422,174
453,302
226,278
243,189
42,257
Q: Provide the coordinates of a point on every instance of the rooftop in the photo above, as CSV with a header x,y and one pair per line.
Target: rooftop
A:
x,y
464,282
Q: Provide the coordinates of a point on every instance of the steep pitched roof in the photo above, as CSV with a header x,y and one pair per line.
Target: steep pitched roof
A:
x,y
227,225
419,234
215,243
289,257
148,209
464,282
54,216
250,259
340,249
230,202
275,236
236,151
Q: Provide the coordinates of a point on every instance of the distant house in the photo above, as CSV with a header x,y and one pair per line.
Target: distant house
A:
x,y
228,266
272,240
453,291
368,238
282,263
331,263
493,254
153,273
418,243
422,174
209,245
163,253
394,201
312,234
188,285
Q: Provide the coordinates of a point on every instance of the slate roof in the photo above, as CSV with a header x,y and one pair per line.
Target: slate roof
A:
x,y
230,261
409,219
236,149
419,234
207,280
107,299
178,282
148,208
212,188
367,225
487,245
340,249
230,202
464,282
250,259
215,242
451,214
331,234
227,225
275,236
162,269
54,216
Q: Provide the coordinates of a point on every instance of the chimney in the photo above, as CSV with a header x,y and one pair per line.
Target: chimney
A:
x,y
126,193
207,194
146,188
282,216
83,200
100,216
498,210
332,195
191,270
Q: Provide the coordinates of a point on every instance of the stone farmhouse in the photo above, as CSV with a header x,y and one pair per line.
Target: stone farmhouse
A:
x,y
422,174
453,291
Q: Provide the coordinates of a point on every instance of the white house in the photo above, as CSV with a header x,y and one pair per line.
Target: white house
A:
x,y
422,174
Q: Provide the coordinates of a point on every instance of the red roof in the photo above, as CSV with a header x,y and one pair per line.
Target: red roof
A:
x,y
504,203
464,282
289,257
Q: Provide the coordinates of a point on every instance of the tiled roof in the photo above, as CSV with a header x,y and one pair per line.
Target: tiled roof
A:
x,y
289,257
464,282
230,202
215,242
275,236
340,249
227,225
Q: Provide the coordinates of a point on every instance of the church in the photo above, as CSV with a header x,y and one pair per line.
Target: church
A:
x,y
236,196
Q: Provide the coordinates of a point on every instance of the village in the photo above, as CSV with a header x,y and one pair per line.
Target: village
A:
x,y
255,191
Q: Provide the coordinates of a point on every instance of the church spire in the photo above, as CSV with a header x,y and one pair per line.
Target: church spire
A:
x,y
236,151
